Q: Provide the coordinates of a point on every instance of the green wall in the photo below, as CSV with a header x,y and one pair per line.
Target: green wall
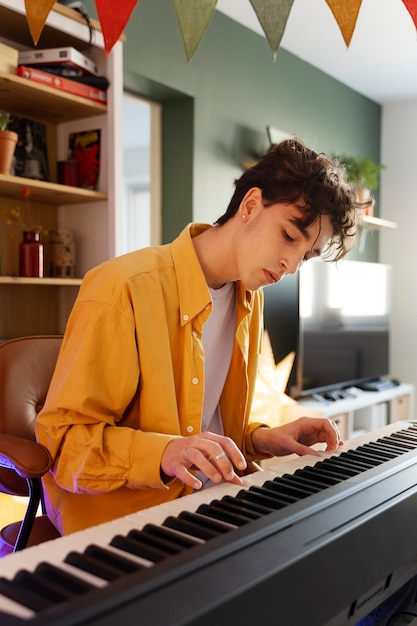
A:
x,y
216,108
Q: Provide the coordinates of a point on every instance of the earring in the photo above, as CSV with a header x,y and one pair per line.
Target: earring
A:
x,y
243,216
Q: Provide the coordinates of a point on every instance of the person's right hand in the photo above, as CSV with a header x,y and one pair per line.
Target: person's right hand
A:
x,y
215,455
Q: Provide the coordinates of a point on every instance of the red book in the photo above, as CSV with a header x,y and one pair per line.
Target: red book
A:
x,y
65,84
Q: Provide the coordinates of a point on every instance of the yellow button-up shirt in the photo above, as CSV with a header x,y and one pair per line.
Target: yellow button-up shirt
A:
x,y
130,378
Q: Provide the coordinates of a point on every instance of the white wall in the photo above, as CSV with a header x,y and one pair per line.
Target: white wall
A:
x,y
398,202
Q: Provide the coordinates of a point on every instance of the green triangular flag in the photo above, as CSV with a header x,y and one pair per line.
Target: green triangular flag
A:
x,y
193,17
272,16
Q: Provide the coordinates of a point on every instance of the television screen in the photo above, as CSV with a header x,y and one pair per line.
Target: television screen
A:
x,y
335,316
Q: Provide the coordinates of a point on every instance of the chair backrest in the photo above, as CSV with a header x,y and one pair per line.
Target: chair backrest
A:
x,y
26,368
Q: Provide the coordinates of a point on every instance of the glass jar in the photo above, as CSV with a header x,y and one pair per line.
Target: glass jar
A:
x,y
31,255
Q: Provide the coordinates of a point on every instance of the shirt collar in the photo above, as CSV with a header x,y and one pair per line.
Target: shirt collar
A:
x,y
194,295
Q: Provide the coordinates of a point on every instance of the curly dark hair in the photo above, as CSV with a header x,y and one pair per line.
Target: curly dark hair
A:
x,y
291,173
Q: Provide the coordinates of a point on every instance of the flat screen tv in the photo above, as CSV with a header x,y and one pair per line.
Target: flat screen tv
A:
x,y
335,317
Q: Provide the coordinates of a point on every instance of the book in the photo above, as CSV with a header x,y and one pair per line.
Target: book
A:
x,y
65,84
100,82
63,56
84,147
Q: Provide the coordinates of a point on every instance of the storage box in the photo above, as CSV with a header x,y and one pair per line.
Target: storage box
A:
x,y
8,59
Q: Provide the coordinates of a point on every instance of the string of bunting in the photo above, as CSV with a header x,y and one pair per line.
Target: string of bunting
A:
x,y
194,17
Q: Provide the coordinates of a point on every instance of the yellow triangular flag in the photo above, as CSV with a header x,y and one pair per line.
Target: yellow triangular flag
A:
x,y
37,12
346,14
193,17
272,16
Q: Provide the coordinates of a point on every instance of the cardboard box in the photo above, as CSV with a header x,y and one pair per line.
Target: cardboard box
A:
x,y
64,56
8,59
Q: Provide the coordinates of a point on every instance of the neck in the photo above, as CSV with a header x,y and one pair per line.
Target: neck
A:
x,y
213,255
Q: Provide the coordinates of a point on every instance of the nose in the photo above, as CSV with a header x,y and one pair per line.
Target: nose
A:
x,y
293,264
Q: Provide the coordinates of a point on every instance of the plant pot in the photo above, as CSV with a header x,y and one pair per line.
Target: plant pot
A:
x,y
8,141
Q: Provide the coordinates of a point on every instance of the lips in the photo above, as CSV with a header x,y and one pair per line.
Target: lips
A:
x,y
271,277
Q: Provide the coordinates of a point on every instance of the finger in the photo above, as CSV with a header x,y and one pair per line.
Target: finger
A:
x,y
216,468
224,445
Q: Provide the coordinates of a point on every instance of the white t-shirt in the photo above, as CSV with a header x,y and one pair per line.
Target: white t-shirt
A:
x,y
218,337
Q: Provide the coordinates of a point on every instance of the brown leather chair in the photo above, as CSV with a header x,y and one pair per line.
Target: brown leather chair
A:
x,y
26,367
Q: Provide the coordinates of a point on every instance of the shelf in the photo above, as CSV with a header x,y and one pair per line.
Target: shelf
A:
x,y
53,193
59,282
34,100
377,222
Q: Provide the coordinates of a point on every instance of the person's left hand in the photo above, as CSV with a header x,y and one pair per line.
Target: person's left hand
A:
x,y
296,437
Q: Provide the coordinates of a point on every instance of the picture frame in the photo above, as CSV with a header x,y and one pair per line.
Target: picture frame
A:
x,y
31,155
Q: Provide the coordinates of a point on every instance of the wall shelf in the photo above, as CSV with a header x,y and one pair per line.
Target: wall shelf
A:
x,y
39,282
53,193
377,222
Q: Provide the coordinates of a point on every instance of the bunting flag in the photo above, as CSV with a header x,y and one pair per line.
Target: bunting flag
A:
x,y
113,19
193,19
272,16
37,12
346,13
411,6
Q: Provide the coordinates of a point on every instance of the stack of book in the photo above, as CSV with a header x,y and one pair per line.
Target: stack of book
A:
x,y
64,68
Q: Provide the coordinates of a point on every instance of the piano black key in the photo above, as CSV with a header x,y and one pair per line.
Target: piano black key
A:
x,y
138,548
319,474
63,578
383,450
274,492
251,506
45,587
148,534
363,459
101,562
24,596
406,437
282,488
401,446
179,539
304,481
339,467
219,513
173,539
359,466
259,496
238,506
190,527
207,522
376,454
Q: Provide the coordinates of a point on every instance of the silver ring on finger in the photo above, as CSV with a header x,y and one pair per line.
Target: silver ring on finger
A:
x,y
219,456
185,455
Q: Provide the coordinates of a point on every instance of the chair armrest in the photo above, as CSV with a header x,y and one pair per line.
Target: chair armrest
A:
x,y
27,458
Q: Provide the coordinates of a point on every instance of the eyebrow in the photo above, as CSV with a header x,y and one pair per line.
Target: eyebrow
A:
x,y
303,230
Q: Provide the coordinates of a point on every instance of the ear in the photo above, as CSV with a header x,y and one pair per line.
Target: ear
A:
x,y
251,202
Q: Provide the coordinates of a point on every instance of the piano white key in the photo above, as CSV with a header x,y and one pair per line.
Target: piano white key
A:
x,y
15,609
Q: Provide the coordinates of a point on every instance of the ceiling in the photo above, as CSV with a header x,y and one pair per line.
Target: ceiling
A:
x,y
381,61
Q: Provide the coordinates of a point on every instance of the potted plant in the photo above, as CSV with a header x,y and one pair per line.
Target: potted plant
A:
x,y
363,176
8,141
360,173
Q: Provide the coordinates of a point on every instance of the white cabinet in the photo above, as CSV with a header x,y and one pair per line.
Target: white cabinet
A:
x,y
360,411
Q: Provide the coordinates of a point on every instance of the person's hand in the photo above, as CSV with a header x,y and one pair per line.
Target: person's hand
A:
x,y
296,437
216,456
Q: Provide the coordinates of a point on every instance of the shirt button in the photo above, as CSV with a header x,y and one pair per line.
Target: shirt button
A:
x,y
195,381
190,429
185,318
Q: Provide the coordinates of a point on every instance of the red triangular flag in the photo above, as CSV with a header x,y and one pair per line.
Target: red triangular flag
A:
x,y
113,19
346,13
37,12
412,9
